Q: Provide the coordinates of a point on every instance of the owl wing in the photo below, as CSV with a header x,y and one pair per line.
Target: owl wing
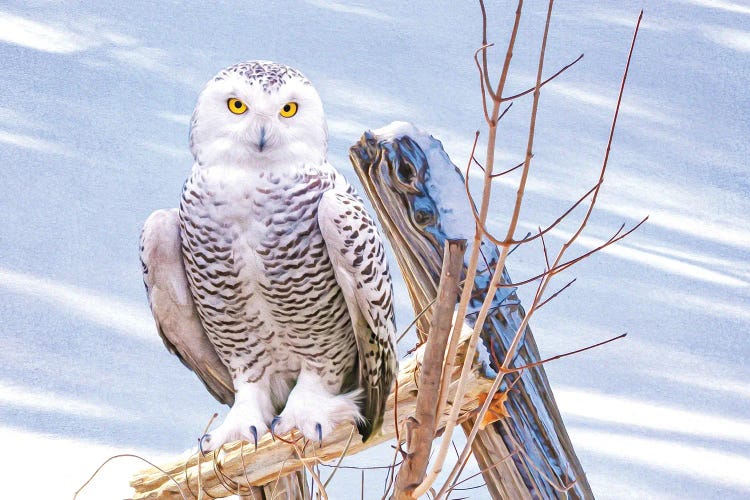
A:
x,y
172,304
361,269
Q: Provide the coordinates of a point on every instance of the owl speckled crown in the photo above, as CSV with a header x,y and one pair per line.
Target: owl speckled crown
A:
x,y
268,74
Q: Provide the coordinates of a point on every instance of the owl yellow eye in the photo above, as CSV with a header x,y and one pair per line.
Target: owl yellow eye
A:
x,y
236,106
289,110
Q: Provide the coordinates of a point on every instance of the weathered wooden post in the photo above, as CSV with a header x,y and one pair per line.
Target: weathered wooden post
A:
x,y
419,198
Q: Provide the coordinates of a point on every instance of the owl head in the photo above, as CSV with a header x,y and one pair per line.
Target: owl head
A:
x,y
258,114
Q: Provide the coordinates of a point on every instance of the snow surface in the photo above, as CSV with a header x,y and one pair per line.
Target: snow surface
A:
x,y
94,108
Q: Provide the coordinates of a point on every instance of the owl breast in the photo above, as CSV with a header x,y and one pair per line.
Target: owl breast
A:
x,y
260,274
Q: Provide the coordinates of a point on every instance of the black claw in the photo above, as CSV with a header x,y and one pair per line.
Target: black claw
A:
x,y
254,432
274,423
319,428
200,443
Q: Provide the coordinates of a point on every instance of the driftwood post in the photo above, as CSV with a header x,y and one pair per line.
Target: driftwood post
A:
x,y
418,196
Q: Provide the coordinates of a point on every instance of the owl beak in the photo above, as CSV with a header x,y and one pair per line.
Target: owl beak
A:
x,y
262,141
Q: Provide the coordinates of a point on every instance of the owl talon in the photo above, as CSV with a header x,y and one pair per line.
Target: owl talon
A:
x,y
254,432
274,423
319,430
200,443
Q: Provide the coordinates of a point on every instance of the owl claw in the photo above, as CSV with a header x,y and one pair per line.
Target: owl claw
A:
x,y
274,423
254,432
200,443
319,430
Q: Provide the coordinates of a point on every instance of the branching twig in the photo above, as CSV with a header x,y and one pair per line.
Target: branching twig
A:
x,y
558,268
511,229
485,70
553,358
472,267
555,267
569,283
545,82
311,470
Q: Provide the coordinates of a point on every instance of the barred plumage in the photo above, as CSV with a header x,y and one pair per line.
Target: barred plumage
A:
x,y
286,270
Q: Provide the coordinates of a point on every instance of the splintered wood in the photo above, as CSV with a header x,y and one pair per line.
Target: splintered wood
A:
x,y
238,465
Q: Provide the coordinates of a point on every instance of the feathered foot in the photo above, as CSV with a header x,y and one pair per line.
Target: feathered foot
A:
x,y
248,419
314,411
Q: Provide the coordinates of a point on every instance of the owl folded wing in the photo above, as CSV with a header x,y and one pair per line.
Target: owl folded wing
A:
x,y
361,270
177,319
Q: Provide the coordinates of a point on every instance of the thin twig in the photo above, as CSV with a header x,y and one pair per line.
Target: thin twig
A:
x,y
391,475
545,280
416,318
547,479
504,172
611,130
471,273
341,459
551,297
485,72
504,250
482,75
553,358
200,452
544,249
565,265
509,239
545,82
311,470
128,455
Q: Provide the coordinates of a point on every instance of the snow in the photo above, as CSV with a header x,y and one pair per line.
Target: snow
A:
x,y
441,183
67,463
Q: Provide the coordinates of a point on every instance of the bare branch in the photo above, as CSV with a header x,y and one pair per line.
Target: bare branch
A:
x,y
471,272
517,245
562,489
561,267
483,76
553,358
611,129
511,169
276,458
511,230
341,459
544,249
505,111
414,321
311,470
485,68
556,267
481,167
129,455
551,297
482,471
508,57
545,82
421,428
510,241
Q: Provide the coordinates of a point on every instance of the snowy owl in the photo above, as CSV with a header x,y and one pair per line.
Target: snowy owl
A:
x,y
270,281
